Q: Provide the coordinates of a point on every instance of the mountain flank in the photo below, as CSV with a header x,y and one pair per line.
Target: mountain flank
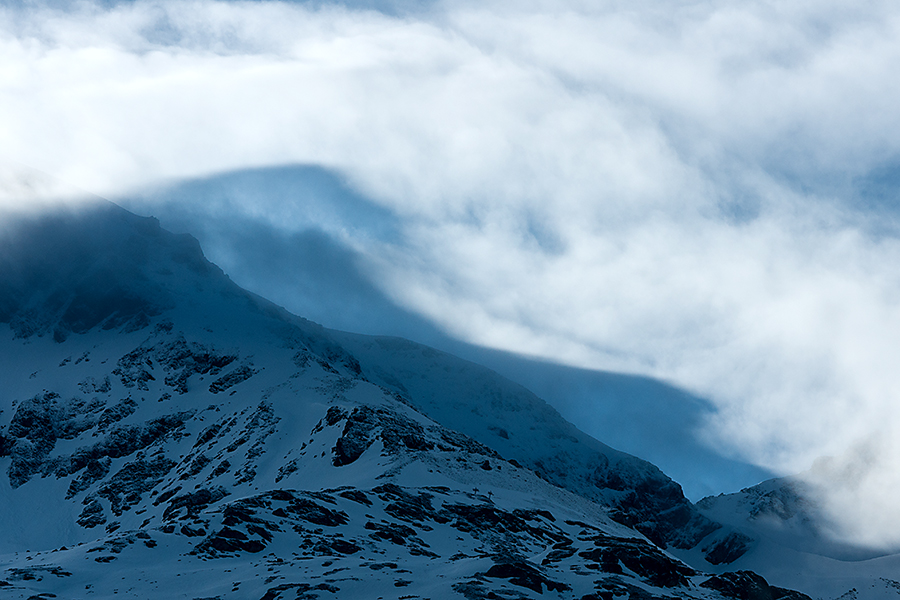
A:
x,y
165,433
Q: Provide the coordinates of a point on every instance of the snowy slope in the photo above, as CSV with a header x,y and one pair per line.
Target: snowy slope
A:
x,y
782,534
507,417
165,434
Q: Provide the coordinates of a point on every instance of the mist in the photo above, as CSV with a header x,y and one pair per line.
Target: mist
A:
x,y
703,194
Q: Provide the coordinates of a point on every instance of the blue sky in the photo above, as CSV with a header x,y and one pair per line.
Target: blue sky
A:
x,y
700,192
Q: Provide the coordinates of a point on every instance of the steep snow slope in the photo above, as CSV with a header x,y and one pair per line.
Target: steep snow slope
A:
x,y
164,433
521,426
782,534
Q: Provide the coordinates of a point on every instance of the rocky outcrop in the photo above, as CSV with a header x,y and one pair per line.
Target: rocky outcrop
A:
x,y
747,585
178,360
364,425
727,549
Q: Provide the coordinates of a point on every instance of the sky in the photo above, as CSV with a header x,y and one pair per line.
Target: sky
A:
x,y
702,193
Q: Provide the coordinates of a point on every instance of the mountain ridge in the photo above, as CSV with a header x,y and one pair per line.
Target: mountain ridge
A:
x,y
171,428
129,297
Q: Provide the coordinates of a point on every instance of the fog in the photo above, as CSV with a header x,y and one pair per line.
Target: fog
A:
x,y
703,194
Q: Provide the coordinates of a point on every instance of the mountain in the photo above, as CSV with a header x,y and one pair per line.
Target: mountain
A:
x,y
164,433
783,532
508,418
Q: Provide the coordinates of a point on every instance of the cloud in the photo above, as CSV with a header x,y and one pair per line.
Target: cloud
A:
x,y
314,273
700,193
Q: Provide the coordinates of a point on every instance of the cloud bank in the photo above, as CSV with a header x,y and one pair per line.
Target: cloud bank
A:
x,y
702,192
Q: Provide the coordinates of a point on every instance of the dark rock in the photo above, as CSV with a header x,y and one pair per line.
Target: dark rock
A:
x,y
192,531
344,547
356,437
364,425
475,590
166,495
198,464
230,540
207,434
728,549
91,386
105,559
132,369
125,440
6,445
298,591
303,508
185,360
126,487
27,460
561,551
286,470
334,416
38,423
36,573
640,557
193,503
94,471
220,469
526,575
116,413
655,506
92,515
178,358
616,587
487,519
414,508
229,380
356,496
454,441
747,585
391,532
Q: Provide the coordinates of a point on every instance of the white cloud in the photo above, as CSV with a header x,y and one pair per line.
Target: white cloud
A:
x,y
662,190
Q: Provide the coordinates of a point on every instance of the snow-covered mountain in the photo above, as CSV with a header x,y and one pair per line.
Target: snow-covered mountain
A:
x,y
782,531
164,433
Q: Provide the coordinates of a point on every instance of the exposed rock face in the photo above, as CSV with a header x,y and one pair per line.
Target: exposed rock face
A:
x,y
728,549
31,445
655,505
365,425
612,555
179,360
746,585
523,574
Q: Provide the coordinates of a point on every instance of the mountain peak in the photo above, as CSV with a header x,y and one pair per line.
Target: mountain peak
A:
x,y
99,265
157,416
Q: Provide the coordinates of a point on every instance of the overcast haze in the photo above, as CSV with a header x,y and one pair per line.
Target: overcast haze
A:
x,y
699,192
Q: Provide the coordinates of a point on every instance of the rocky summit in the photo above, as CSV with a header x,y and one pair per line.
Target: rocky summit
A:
x,y
166,434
